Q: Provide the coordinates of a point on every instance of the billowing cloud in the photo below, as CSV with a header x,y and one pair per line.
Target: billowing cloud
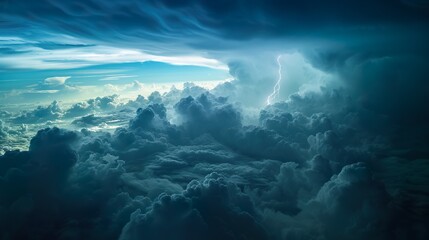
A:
x,y
298,174
341,155
41,113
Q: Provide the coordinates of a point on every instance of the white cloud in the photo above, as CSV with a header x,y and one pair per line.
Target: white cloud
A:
x,y
39,58
115,77
56,80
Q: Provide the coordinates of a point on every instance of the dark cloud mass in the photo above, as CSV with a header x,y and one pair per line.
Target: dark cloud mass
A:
x,y
297,175
342,153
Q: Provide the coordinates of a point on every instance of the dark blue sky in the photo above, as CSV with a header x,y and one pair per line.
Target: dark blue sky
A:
x,y
224,30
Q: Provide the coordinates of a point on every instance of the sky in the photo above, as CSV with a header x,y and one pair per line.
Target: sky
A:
x,y
200,119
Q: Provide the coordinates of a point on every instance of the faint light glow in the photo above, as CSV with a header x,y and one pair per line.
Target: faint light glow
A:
x,y
275,94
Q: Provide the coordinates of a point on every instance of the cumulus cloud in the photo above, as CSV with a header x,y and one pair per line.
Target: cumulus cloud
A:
x,y
89,121
55,110
341,197
35,177
210,209
51,112
343,155
298,174
92,105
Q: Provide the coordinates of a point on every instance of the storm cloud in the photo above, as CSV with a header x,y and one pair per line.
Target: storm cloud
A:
x,y
341,154
332,34
296,175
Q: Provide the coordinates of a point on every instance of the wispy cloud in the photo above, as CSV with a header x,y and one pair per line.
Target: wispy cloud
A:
x,y
21,54
116,77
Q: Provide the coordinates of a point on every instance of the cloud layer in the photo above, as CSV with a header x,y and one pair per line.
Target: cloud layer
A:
x,y
298,174
342,155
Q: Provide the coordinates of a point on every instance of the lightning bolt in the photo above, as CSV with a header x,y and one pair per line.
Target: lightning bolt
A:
x,y
276,89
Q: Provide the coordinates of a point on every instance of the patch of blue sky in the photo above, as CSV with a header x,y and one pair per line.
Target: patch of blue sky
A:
x,y
113,73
